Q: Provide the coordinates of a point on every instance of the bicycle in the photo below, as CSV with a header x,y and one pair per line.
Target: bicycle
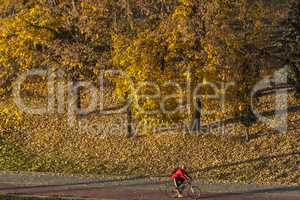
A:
x,y
189,191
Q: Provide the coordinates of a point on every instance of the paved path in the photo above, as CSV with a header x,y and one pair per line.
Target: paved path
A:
x,y
122,193
131,189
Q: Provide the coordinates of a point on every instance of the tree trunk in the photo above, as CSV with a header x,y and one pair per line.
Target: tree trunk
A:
x,y
195,125
129,122
297,77
77,92
247,134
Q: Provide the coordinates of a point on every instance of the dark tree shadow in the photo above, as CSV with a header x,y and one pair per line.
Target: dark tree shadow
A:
x,y
246,162
253,192
156,181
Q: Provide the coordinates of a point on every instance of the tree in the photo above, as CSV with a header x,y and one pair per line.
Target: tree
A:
x,y
65,35
220,41
287,42
152,42
20,41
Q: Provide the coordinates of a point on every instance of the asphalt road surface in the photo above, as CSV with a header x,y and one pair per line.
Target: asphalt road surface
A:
x,y
135,188
133,193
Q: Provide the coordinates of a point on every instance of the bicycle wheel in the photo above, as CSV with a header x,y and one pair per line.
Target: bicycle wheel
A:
x,y
171,192
194,192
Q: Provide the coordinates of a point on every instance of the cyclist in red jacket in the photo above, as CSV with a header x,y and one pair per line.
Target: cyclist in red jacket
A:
x,y
180,176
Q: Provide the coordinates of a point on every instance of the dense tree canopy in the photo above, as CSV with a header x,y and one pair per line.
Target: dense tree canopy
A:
x,y
152,41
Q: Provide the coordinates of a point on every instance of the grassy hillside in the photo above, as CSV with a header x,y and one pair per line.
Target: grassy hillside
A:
x,y
266,158
47,143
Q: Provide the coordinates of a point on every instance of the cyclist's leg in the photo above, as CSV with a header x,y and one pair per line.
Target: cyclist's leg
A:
x,y
178,183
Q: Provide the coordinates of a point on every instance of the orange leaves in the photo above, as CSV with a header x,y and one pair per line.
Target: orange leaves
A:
x,y
52,146
9,119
